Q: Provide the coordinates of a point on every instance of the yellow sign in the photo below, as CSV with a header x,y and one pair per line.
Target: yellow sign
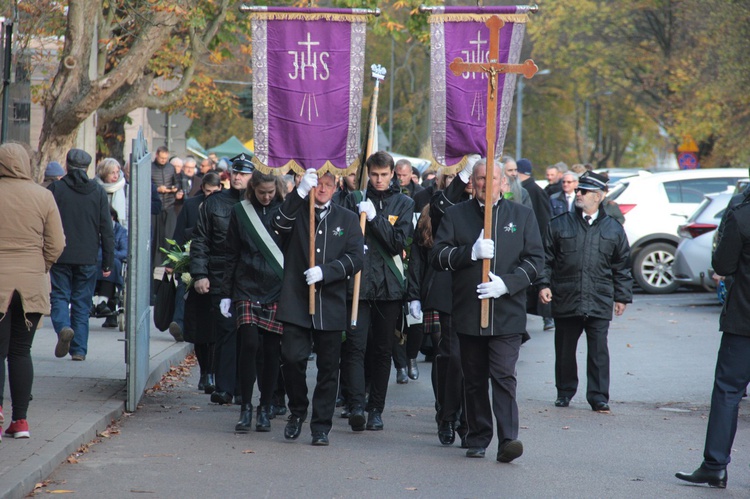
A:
x,y
688,145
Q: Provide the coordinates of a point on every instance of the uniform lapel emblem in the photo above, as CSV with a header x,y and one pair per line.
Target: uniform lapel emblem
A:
x,y
338,231
511,227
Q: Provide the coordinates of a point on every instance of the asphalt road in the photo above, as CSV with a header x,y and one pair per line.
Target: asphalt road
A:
x,y
663,353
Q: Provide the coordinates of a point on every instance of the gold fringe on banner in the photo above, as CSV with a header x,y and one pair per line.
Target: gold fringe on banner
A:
x,y
309,16
297,168
449,170
508,18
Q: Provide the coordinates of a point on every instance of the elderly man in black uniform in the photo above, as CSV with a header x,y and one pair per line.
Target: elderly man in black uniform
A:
x,y
388,230
339,249
731,258
490,354
207,264
586,273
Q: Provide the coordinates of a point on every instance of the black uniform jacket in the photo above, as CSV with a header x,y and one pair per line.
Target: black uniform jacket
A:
x,y
426,284
518,260
188,219
209,237
732,259
248,276
586,267
393,229
339,250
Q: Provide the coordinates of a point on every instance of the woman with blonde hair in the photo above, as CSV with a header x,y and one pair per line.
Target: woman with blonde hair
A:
x,y
110,177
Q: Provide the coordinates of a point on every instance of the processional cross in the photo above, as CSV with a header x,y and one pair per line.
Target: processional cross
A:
x,y
492,68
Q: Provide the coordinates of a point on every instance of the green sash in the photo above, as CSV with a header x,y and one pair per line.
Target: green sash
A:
x,y
252,223
394,262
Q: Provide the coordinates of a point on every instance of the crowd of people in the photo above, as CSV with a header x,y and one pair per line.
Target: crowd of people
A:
x,y
284,269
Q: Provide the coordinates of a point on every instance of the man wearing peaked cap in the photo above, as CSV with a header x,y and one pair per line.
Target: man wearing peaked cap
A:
x,y
242,163
584,277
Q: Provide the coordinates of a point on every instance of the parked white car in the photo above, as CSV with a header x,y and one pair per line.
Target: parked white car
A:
x,y
654,207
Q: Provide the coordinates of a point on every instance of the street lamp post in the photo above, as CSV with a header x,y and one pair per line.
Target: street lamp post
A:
x,y
519,112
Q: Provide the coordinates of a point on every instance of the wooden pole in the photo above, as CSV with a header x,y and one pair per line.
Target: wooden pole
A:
x,y
378,72
312,248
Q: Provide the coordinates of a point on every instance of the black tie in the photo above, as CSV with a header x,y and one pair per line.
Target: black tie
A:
x,y
319,212
587,218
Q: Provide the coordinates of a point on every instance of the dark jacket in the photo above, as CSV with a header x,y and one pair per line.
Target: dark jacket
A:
x,y
84,210
339,252
732,259
164,175
188,219
422,198
539,202
586,267
425,283
121,253
209,238
248,276
411,189
551,189
392,229
518,260
559,204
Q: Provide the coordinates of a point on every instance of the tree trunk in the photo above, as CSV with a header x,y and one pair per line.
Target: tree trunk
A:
x,y
53,146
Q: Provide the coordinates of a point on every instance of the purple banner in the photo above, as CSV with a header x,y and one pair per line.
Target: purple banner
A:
x,y
459,103
307,89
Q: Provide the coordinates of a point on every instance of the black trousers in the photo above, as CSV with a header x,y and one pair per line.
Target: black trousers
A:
x,y
225,349
259,357
730,380
374,337
295,349
450,377
16,337
567,332
486,359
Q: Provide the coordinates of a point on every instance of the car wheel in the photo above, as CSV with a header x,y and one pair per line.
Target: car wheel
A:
x,y
652,269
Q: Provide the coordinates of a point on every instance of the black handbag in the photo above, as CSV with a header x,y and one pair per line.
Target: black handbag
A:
x,y
164,305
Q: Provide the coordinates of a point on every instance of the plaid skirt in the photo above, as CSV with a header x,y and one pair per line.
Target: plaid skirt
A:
x,y
257,314
431,321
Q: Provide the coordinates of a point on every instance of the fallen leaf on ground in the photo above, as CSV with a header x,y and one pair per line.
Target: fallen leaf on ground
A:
x,y
411,488
61,491
248,451
566,427
72,460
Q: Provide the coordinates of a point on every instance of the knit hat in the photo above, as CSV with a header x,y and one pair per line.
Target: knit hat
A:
x,y
524,166
78,158
54,169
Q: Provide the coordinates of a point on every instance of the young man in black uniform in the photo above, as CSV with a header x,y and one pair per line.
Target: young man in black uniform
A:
x,y
339,248
388,230
490,354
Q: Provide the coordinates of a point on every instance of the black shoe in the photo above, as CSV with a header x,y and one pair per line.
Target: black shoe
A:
x,y
525,337
110,321
401,377
176,331
202,382
277,410
357,419
340,402
319,438
374,421
475,452
509,451
262,422
549,323
221,398
102,310
562,402
246,419
601,407
293,427
210,385
413,369
447,432
714,478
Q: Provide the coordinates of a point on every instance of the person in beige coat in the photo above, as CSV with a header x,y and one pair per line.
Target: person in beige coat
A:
x,y
31,240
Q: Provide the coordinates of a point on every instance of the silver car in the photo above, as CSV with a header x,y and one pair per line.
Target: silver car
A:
x,y
693,256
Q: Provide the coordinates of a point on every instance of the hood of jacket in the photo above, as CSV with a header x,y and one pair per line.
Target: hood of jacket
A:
x,y
14,162
79,181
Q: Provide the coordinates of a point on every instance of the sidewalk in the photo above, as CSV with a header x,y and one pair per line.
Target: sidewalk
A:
x,y
73,400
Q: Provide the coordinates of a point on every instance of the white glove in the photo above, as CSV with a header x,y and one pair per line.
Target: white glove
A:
x,y
313,275
224,305
483,248
415,309
368,208
308,181
471,160
495,288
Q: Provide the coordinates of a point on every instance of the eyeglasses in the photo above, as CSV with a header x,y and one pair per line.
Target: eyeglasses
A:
x,y
583,191
568,181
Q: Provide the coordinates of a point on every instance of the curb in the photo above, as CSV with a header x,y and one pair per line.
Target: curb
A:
x,y
21,481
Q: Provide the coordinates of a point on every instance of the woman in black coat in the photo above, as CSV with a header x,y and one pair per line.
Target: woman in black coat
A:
x,y
252,284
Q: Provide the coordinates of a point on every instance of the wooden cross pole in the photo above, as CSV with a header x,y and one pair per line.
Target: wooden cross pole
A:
x,y
492,68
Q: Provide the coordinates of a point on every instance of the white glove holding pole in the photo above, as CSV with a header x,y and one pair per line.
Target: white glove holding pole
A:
x,y
483,248
224,305
313,275
368,208
308,181
415,309
495,288
471,160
